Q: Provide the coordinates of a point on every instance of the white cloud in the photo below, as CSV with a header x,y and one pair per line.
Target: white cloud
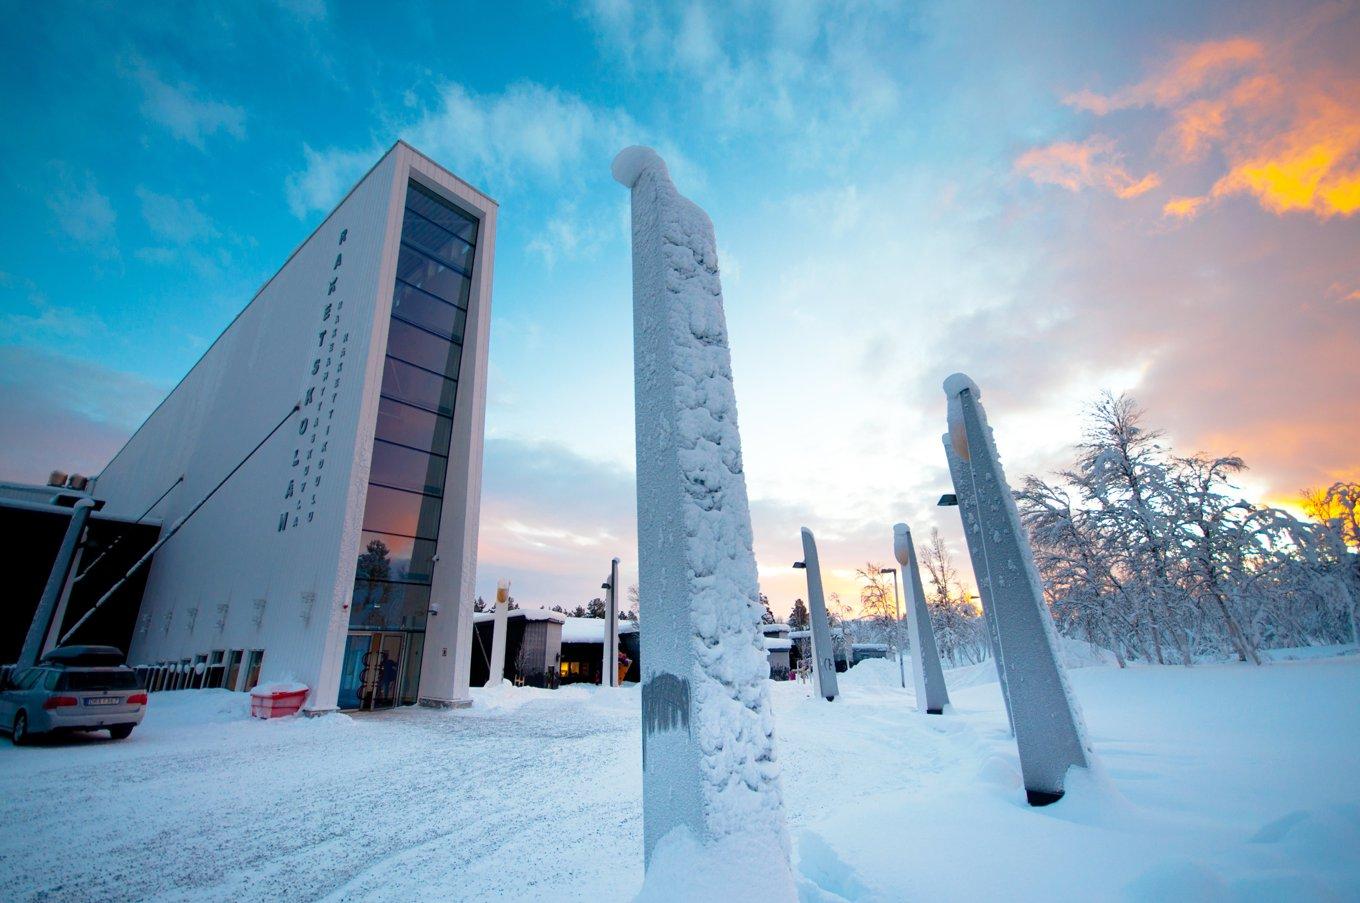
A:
x,y
526,133
82,210
47,321
568,235
178,107
325,178
179,221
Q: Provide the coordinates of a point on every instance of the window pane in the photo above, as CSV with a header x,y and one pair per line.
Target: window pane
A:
x,y
424,202
396,465
416,346
435,278
379,603
407,513
428,311
402,557
406,383
436,241
417,428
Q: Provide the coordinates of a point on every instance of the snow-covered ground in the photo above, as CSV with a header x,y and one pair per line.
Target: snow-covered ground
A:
x,y
1221,782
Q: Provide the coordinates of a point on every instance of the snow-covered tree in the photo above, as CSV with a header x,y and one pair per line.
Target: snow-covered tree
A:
x,y
1157,557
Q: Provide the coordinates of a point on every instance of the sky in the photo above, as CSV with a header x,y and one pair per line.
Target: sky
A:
x,y
1162,199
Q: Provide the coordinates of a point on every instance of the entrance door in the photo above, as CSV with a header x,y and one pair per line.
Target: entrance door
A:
x,y
371,671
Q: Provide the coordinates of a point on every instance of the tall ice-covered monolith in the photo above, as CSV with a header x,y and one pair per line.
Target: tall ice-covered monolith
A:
x,y
710,782
931,694
963,493
1047,723
819,625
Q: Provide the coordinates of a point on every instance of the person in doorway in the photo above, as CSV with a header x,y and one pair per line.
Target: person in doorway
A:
x,y
387,676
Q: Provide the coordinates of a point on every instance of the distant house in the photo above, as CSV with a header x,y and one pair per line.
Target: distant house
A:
x,y
803,644
779,649
583,649
546,648
533,647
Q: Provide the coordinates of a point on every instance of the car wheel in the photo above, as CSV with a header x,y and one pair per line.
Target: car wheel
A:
x,y
20,734
121,731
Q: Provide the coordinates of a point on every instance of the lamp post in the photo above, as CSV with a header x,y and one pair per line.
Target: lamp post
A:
x,y
897,609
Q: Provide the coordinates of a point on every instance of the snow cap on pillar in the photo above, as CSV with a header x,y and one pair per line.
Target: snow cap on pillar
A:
x,y
954,385
901,542
632,162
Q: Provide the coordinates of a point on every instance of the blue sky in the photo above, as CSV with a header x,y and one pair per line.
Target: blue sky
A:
x,y
898,193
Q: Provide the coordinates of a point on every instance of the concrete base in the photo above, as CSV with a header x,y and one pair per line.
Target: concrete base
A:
x,y
317,713
445,703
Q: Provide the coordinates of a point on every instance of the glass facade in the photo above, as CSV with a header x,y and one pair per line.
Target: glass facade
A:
x,y
410,448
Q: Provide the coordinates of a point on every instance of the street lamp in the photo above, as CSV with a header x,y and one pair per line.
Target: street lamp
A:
x,y
897,607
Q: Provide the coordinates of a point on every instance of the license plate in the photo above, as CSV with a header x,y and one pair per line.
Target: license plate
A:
x,y
104,700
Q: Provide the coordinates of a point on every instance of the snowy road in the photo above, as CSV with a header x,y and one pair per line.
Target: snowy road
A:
x,y
1222,782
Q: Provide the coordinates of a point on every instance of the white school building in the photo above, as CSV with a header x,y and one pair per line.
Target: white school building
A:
x,y
342,554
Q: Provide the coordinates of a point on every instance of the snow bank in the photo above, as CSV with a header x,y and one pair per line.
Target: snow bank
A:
x,y
733,867
278,686
193,708
875,672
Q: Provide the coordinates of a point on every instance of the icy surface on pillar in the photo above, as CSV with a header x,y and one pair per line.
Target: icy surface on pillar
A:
x,y
931,694
823,651
709,768
1048,725
963,491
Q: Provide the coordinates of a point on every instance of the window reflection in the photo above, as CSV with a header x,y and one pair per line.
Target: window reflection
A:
x,y
436,241
416,346
407,425
404,468
415,268
411,442
419,387
395,558
397,511
427,311
437,210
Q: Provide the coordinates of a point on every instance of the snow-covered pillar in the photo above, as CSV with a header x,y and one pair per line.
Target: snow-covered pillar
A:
x,y
963,492
609,659
823,649
500,623
1047,722
931,694
56,582
710,783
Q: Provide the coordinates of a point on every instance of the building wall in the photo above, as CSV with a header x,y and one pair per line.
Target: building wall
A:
x,y
238,576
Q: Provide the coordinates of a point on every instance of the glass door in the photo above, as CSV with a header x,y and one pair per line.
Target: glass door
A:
x,y
370,673
384,668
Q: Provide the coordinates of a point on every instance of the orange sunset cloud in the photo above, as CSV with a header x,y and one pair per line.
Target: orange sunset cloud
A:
x,y
1259,116
1093,163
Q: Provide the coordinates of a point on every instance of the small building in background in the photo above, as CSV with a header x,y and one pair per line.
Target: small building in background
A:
x,y
802,640
780,650
583,650
533,647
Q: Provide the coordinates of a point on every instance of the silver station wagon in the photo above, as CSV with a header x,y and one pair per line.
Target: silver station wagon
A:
x,y
73,688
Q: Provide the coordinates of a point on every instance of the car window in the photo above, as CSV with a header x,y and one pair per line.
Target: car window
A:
x,y
50,680
101,680
30,678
